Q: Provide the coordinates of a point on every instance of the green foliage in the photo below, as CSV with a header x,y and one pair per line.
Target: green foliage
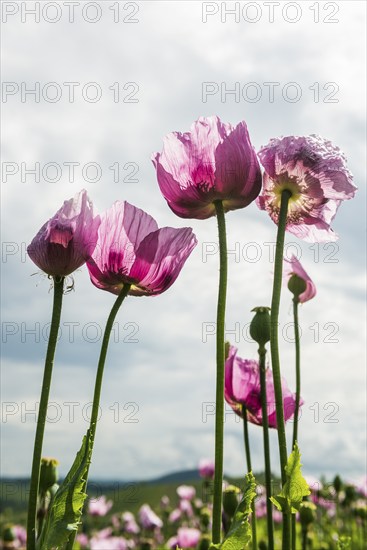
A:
x,y
344,543
66,507
239,534
295,488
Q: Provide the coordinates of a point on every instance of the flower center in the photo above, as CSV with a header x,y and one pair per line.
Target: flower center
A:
x,y
300,203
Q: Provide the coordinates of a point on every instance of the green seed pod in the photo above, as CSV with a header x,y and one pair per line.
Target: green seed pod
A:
x,y
230,500
337,484
260,325
146,544
307,513
205,516
49,474
297,286
204,543
8,534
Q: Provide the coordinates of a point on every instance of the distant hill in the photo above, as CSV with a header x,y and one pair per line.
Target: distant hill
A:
x,y
178,477
126,495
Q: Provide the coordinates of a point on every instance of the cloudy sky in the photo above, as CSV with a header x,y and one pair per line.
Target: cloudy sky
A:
x,y
110,80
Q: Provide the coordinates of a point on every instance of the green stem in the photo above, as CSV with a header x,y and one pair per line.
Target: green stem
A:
x,y
41,513
102,359
98,383
304,539
246,439
219,415
41,420
264,409
298,397
298,371
274,346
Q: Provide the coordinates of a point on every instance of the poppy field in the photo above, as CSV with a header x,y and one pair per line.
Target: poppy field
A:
x,y
300,182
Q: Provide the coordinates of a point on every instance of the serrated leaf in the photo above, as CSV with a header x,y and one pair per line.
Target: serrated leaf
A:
x,y
295,487
279,502
66,508
239,534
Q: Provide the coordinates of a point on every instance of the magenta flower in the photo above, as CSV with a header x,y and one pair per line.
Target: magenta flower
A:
x,y
188,537
172,543
362,486
260,508
165,502
175,515
132,250
100,506
186,492
294,267
242,387
186,508
68,239
315,172
214,161
206,468
82,540
20,533
111,543
148,519
130,525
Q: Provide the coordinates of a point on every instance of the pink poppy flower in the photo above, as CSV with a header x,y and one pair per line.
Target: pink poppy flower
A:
x,y
130,525
362,486
165,502
100,506
82,540
186,492
20,534
242,387
294,267
188,537
148,519
315,172
314,484
131,249
277,516
186,508
67,240
214,161
260,508
175,515
172,543
206,468
112,543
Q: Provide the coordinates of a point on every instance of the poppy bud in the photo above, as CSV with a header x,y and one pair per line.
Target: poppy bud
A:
x,y
8,534
49,474
230,500
205,516
204,543
307,514
337,484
